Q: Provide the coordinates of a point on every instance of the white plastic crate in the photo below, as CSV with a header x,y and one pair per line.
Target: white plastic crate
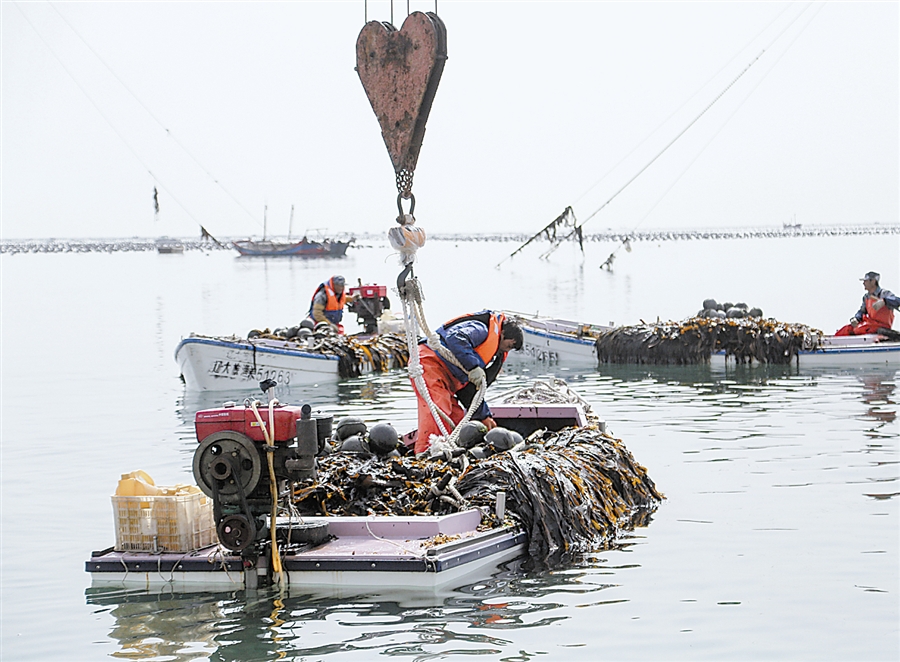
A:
x,y
177,523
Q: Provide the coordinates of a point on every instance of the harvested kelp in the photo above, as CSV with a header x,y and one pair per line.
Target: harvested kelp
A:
x,y
571,490
694,340
379,353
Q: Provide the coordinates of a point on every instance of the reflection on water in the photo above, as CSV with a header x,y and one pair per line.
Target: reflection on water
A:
x,y
257,625
177,626
878,391
477,618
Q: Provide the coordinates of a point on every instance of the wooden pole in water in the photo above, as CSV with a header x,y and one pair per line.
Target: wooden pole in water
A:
x,y
291,223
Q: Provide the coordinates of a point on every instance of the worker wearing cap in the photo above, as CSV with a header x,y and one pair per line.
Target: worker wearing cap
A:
x,y
876,311
328,301
480,342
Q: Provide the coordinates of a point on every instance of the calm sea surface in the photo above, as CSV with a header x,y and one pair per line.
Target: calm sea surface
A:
x,y
778,539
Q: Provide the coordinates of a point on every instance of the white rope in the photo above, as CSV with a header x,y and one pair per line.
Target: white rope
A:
x,y
411,298
411,552
414,367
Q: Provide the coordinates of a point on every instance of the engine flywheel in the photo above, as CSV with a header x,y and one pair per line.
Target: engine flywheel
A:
x,y
232,461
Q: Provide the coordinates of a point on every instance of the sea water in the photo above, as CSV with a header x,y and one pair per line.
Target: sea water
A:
x,y
778,538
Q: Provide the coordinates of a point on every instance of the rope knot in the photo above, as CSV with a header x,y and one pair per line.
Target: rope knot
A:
x,y
407,238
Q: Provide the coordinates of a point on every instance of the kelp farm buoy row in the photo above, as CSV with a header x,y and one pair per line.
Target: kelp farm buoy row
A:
x,y
571,490
383,352
696,339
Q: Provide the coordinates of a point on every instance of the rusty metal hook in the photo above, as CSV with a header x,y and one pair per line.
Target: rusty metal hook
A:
x,y
402,278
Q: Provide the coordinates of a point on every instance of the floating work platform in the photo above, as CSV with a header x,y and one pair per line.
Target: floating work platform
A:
x,y
426,552
360,514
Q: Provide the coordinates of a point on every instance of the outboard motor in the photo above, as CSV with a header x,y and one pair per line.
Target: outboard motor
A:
x,y
231,467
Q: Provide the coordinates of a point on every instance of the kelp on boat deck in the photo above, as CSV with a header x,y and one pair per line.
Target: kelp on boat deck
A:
x,y
571,490
382,352
694,340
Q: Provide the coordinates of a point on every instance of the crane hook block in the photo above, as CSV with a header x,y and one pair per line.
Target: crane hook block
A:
x,y
400,71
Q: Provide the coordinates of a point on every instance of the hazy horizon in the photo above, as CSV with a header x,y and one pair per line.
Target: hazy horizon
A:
x,y
102,102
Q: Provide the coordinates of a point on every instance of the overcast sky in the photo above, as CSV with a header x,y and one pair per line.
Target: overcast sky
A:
x,y
538,101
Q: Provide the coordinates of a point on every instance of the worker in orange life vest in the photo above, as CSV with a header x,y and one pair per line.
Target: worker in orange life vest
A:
x,y
328,302
876,311
480,342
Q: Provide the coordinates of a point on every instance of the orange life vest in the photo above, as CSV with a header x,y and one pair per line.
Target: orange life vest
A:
x,y
884,317
334,305
494,323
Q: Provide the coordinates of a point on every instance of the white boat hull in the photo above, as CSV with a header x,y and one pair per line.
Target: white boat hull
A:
x,y
558,342
216,364
845,351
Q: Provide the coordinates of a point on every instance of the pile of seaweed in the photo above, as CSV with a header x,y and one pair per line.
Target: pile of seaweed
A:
x,y
695,339
379,353
571,490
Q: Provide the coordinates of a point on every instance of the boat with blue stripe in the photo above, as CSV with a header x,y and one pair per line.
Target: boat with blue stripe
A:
x,y
564,342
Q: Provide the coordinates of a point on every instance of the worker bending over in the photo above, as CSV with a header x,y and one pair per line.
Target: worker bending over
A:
x,y
876,311
480,342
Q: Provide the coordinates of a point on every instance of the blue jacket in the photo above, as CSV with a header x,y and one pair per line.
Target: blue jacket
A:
x,y
461,339
891,300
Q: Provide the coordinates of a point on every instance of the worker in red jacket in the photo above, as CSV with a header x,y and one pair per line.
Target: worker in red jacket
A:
x,y
876,311
480,342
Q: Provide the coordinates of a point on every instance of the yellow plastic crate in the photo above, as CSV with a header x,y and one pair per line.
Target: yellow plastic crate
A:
x,y
176,523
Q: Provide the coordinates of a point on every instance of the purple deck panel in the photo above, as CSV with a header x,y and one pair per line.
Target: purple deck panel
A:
x,y
416,527
379,543
555,411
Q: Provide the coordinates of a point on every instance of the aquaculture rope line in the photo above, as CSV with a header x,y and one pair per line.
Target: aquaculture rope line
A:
x,y
673,113
577,228
720,129
683,131
155,118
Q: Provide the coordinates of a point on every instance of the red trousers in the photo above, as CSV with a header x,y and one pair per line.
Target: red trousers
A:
x,y
442,386
866,326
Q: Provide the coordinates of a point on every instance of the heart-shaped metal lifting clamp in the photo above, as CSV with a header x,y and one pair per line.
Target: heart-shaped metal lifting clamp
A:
x,y
400,71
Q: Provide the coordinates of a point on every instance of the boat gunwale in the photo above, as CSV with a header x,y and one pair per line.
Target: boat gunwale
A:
x,y
253,347
453,554
558,335
863,347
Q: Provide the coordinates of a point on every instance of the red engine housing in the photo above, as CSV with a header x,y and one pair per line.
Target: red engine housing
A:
x,y
369,291
242,419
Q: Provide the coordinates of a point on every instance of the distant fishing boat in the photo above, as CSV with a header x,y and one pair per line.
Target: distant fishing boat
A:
x,y
303,248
